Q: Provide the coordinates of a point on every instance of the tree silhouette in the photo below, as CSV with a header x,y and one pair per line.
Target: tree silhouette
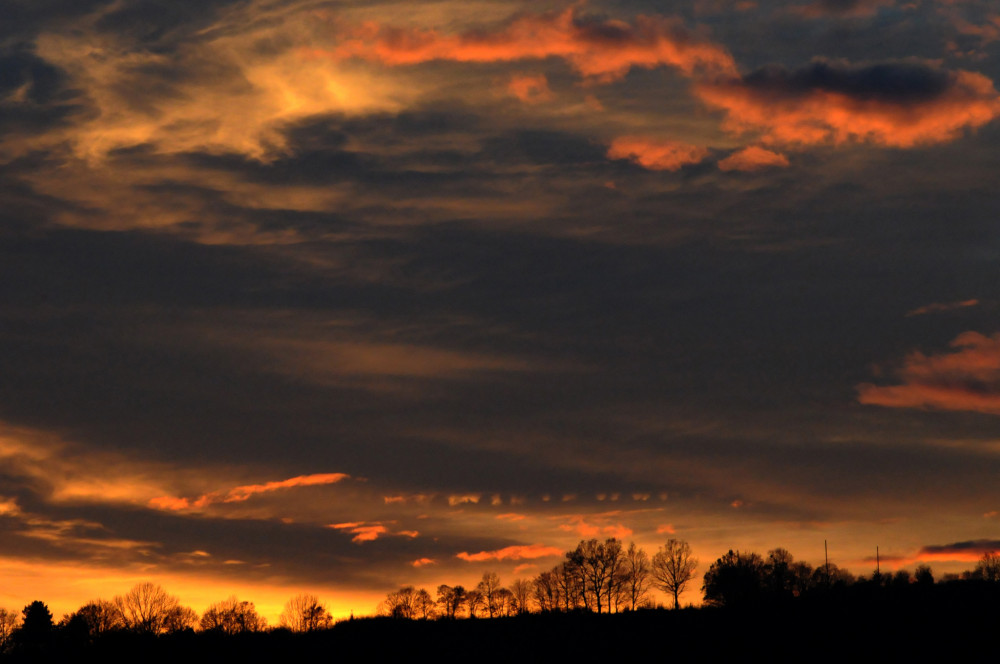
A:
x,y
36,627
100,615
232,616
735,579
8,623
988,567
450,599
673,568
304,613
148,608
636,575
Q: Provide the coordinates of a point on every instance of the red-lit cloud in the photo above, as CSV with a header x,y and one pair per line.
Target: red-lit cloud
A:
x,y
242,493
529,551
939,307
899,104
602,49
969,551
753,158
423,562
966,379
580,525
656,154
530,88
362,531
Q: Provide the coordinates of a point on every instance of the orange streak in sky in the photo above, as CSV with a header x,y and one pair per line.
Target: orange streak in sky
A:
x,y
599,49
656,154
513,553
823,116
242,493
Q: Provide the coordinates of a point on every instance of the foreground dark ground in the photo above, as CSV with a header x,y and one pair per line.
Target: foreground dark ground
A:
x,y
945,622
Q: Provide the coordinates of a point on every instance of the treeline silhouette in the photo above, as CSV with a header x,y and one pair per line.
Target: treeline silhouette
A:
x,y
596,603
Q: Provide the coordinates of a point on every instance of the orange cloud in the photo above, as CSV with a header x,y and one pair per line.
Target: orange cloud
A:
x,y
464,498
599,49
511,516
966,379
656,154
938,307
242,493
578,524
666,529
753,158
423,562
530,88
899,104
363,532
968,551
529,551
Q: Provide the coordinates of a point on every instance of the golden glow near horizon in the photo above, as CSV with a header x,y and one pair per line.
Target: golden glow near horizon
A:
x,y
337,297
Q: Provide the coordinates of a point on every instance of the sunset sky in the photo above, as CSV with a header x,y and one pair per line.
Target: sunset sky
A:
x,y
307,295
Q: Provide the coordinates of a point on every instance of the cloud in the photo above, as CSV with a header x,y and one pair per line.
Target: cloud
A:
x,y
656,154
753,158
843,8
968,378
362,531
601,49
243,493
530,88
529,551
585,526
939,307
897,104
423,562
968,551
461,499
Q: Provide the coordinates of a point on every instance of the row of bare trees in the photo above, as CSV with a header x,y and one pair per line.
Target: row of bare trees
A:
x,y
599,576
149,609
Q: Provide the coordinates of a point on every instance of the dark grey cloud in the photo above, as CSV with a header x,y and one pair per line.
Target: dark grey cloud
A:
x,y
969,546
896,82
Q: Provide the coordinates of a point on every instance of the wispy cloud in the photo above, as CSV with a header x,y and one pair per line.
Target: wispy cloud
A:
x,y
968,378
245,492
602,49
753,158
941,307
516,552
656,154
898,104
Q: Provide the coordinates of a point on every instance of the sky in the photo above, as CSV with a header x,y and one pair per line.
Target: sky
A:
x,y
340,296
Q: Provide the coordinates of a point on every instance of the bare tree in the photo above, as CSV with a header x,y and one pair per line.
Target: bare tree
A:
x,y
231,616
304,613
8,623
546,592
423,605
636,572
673,568
988,567
100,615
521,590
488,587
149,609
596,563
399,603
475,602
450,599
